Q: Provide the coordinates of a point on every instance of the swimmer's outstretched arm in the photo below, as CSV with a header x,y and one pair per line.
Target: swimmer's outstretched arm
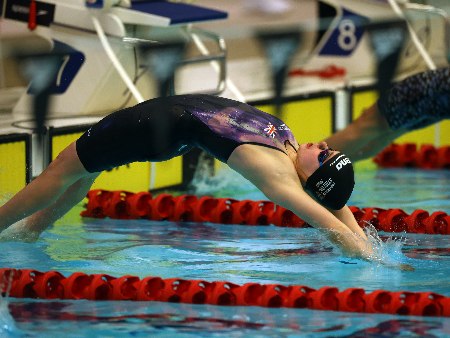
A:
x,y
274,174
298,201
342,229
346,216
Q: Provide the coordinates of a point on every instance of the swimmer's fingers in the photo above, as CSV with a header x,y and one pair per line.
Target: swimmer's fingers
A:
x,y
403,267
406,267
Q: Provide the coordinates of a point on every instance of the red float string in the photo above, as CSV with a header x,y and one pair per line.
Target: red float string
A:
x,y
190,208
409,155
25,283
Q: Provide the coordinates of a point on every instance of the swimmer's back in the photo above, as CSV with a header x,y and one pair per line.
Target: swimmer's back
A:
x,y
237,121
166,127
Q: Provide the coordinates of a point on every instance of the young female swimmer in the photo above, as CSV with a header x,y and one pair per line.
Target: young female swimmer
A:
x,y
310,179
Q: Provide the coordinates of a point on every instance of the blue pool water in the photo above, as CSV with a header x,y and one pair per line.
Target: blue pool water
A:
x,y
239,254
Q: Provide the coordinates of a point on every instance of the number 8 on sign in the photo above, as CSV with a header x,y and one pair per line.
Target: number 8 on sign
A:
x,y
347,38
345,35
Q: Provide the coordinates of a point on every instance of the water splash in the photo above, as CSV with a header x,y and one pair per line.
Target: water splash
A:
x,y
224,181
7,324
388,252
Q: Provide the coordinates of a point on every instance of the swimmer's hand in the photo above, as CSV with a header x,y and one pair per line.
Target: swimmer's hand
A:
x,y
403,267
406,267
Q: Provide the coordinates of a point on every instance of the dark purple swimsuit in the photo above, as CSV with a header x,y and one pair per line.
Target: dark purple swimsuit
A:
x,y
162,128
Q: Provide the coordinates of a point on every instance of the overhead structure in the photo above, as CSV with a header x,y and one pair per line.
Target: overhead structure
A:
x,y
100,69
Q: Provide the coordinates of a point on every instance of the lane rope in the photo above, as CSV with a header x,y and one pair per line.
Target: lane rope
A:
x,y
190,208
28,283
426,156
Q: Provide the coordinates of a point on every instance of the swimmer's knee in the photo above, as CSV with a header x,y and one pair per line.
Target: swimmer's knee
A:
x,y
67,165
67,153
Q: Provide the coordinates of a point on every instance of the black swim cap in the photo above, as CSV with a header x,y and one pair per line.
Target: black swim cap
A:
x,y
332,183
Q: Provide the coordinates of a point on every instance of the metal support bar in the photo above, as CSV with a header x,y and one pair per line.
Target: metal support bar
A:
x,y
218,60
189,34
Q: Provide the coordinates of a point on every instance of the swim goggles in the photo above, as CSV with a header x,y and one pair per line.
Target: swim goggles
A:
x,y
323,155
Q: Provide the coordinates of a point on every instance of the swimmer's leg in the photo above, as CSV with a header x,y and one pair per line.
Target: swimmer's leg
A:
x,y
374,147
414,103
418,101
46,189
31,227
354,139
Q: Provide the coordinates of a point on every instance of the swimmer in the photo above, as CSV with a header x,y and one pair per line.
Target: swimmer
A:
x,y
310,179
414,103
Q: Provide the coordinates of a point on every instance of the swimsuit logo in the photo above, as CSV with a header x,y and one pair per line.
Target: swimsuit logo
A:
x,y
283,127
270,130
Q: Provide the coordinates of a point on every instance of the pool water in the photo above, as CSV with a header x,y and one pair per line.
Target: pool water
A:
x,y
239,254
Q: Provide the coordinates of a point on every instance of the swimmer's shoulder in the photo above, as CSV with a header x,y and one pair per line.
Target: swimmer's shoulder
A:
x,y
253,160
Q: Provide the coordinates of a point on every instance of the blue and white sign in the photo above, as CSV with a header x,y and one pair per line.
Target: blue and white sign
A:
x,y
346,35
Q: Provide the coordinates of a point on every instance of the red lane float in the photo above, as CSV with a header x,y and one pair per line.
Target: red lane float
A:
x,y
190,208
29,283
408,155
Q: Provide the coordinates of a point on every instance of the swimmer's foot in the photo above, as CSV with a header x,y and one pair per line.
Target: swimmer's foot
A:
x,y
19,232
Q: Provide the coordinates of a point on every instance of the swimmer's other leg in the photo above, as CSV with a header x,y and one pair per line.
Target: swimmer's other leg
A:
x,y
46,189
414,103
418,101
375,146
360,137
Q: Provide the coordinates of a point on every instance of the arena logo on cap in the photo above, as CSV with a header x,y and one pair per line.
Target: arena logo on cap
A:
x,y
342,163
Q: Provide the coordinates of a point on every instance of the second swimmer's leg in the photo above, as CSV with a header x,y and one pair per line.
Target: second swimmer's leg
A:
x,y
377,145
414,103
354,138
418,101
